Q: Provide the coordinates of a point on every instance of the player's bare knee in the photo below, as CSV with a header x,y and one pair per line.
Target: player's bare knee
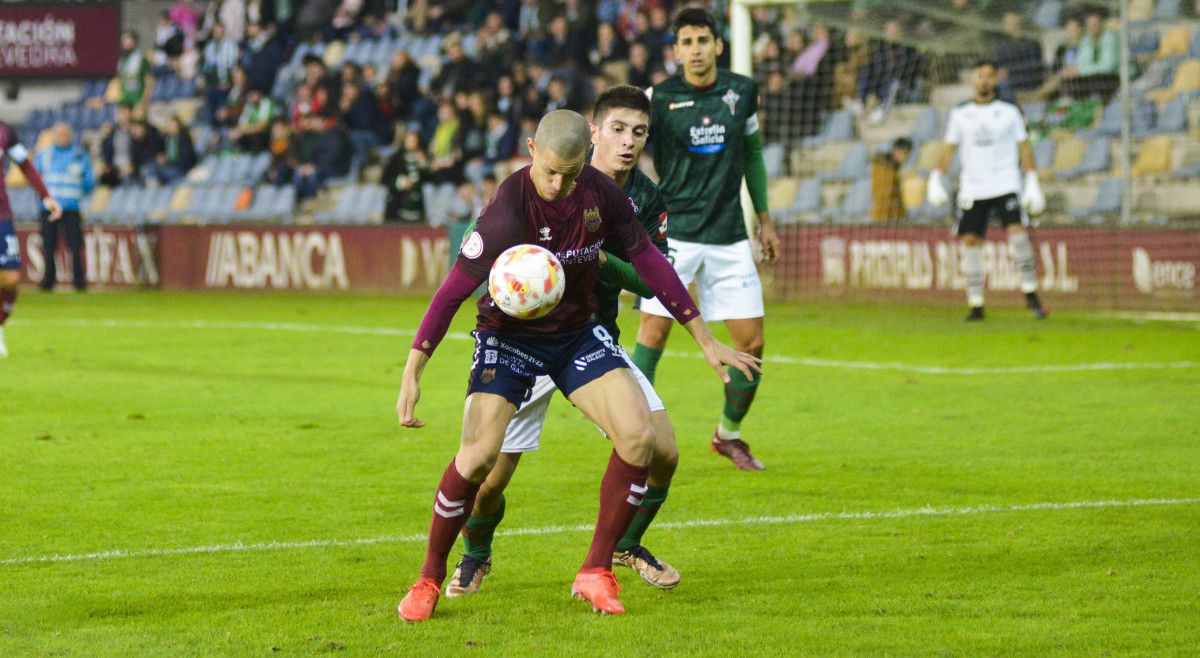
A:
x,y
637,440
475,460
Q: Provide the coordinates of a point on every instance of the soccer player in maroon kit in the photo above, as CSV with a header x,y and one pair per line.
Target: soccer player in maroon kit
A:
x,y
10,251
570,208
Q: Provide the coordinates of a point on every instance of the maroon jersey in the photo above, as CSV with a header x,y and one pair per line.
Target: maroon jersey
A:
x,y
573,229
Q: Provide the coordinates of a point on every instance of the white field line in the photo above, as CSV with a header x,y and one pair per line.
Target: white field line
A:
x,y
770,358
1161,316
791,519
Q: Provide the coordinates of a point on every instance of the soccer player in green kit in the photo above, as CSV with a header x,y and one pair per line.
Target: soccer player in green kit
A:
x,y
706,139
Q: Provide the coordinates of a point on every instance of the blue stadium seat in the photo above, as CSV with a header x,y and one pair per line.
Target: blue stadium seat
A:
x,y
115,199
855,207
377,195
429,199
343,207
259,165
196,204
284,205
1049,14
1166,10
1110,122
839,127
773,156
1096,159
1173,117
927,126
1145,44
1043,153
1035,112
855,165
158,204
807,206
1106,204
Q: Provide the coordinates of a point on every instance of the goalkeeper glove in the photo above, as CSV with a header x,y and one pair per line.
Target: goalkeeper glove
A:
x,y
1032,198
935,190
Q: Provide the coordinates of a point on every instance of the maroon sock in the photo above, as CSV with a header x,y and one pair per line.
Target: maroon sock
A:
x,y
621,492
451,508
8,297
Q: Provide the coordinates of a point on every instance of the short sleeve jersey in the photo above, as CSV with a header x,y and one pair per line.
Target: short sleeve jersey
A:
x,y
699,145
987,135
651,212
574,229
10,149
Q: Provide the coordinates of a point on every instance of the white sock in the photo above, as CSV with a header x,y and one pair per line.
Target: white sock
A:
x,y
1022,252
973,271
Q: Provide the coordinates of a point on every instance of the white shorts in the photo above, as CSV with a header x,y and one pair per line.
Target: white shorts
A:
x,y
726,278
526,426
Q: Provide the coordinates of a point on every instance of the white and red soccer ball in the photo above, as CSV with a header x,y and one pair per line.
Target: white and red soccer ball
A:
x,y
526,282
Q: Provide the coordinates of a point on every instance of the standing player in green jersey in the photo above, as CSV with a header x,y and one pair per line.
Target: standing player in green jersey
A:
x,y
706,138
620,126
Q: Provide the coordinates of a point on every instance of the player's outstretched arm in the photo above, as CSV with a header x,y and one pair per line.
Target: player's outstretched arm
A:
x,y
457,287
720,355
410,389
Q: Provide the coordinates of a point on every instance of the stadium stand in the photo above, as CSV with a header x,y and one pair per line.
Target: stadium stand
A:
x,y
469,81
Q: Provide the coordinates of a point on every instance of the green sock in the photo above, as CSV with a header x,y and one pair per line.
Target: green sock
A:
x,y
646,359
739,393
654,498
478,533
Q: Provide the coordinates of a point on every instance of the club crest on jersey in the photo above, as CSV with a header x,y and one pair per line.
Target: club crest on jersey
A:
x,y
730,99
591,219
487,375
544,234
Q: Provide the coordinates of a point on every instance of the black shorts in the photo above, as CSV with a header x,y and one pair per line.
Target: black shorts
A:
x,y
974,220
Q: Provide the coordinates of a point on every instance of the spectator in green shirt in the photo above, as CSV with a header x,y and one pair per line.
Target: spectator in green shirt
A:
x,y
252,131
135,81
1096,62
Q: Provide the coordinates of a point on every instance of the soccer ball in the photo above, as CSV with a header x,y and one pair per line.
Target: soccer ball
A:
x,y
526,282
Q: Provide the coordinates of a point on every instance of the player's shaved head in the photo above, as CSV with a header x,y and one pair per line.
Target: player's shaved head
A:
x,y
565,133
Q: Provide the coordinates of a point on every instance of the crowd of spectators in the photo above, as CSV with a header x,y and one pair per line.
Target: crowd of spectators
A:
x,y
452,119
501,65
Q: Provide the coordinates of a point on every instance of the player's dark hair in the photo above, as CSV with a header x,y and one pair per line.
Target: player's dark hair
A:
x,y
902,143
627,97
695,17
980,63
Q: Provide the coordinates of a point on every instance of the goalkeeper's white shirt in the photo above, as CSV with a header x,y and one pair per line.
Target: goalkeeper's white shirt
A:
x,y
987,135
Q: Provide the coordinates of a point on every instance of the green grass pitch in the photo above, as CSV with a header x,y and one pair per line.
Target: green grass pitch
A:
x,y
238,458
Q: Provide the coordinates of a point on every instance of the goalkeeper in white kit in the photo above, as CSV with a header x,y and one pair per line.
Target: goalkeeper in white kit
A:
x,y
991,134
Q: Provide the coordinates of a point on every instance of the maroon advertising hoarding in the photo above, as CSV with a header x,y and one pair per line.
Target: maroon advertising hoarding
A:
x,y
59,40
1093,268
1080,268
114,257
342,258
